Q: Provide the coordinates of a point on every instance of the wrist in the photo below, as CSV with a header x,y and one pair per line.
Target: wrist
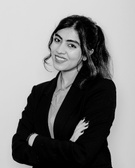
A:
x,y
31,139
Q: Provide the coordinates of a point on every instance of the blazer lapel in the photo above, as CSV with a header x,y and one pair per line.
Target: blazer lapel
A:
x,y
70,102
43,107
67,108
73,98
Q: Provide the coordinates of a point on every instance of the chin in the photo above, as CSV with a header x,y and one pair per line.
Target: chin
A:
x,y
59,68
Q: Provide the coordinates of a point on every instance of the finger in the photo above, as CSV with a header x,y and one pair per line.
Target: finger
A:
x,y
80,130
81,121
82,125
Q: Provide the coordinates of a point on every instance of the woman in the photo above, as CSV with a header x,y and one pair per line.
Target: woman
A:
x,y
67,120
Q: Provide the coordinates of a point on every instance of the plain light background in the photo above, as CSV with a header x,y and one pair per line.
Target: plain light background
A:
x,y
25,28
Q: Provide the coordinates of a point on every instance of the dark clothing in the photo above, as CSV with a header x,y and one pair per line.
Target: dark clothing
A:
x,y
94,99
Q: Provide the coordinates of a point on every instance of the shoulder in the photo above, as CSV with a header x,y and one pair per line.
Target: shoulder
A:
x,y
99,83
105,84
106,89
43,87
101,89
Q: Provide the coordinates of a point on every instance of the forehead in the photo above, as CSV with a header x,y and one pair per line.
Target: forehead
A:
x,y
68,33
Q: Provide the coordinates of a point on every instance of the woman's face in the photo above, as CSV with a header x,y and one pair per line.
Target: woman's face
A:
x,y
65,50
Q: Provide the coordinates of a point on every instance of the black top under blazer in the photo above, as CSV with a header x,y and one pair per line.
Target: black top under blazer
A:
x,y
94,99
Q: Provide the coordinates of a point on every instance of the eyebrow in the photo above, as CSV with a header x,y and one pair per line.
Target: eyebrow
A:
x,y
69,40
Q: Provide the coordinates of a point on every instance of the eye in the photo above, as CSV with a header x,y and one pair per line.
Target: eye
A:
x,y
55,39
71,46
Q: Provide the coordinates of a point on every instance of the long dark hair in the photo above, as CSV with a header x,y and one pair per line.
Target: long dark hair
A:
x,y
92,43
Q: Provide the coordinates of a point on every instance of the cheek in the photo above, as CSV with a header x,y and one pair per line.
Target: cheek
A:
x,y
76,56
52,47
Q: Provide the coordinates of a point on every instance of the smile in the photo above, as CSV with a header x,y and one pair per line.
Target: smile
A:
x,y
60,59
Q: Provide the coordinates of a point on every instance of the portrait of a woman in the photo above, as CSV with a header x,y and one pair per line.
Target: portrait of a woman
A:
x,y
67,119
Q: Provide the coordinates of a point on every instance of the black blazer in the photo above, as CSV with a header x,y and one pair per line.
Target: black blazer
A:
x,y
94,99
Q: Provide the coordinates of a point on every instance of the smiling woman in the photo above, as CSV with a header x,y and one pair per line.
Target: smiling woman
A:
x,y
67,120
66,51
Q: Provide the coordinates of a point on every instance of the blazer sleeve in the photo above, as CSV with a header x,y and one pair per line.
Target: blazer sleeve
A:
x,y
21,151
99,111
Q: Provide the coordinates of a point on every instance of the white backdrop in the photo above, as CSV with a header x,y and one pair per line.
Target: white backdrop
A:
x,y
25,28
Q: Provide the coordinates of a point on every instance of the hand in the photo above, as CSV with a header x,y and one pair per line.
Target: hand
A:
x,y
79,130
31,139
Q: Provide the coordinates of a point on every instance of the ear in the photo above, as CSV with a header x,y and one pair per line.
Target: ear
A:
x,y
91,51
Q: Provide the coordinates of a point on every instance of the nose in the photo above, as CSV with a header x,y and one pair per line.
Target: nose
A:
x,y
61,49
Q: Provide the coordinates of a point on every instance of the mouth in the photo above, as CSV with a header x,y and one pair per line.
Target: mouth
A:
x,y
60,59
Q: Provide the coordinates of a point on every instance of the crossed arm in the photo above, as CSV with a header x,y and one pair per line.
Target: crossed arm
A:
x,y
79,130
88,137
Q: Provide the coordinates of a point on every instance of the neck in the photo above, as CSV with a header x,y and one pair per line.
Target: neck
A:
x,y
67,77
